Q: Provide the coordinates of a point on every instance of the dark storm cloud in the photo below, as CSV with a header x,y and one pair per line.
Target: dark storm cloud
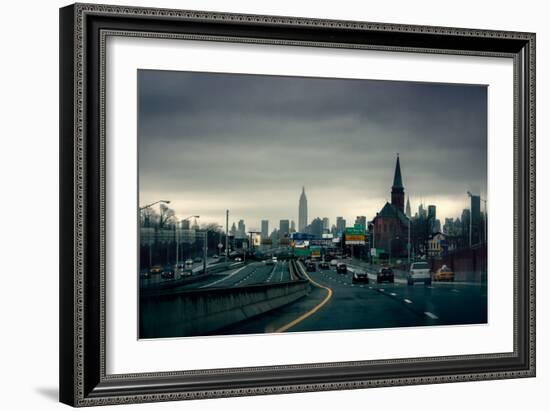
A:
x,y
243,137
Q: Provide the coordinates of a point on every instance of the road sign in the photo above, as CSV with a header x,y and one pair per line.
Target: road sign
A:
x,y
355,235
302,252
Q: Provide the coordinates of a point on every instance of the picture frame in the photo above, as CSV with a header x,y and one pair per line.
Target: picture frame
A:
x,y
84,380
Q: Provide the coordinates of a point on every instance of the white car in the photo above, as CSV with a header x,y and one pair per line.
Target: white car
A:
x,y
238,259
419,272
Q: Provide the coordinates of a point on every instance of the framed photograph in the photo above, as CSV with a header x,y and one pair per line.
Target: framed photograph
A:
x,y
262,204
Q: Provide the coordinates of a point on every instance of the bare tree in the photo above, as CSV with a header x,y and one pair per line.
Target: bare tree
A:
x,y
166,213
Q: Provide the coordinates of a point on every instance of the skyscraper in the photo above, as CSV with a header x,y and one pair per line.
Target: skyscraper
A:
x,y
265,228
326,225
241,229
316,227
284,228
475,209
408,208
340,224
292,226
362,221
302,211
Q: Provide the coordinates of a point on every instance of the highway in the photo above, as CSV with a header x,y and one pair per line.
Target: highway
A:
x,y
336,303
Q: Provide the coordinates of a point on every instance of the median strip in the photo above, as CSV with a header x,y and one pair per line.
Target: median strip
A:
x,y
310,312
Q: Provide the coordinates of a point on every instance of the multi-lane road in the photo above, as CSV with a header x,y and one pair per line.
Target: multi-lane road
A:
x,y
336,303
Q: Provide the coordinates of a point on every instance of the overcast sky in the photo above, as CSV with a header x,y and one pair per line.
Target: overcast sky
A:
x,y
249,143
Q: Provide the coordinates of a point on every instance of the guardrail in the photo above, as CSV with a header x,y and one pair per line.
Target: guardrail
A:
x,y
205,311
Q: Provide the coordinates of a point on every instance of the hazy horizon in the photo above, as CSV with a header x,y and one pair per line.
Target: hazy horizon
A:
x,y
248,143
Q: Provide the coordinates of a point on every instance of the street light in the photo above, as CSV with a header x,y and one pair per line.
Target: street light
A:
x,y
152,204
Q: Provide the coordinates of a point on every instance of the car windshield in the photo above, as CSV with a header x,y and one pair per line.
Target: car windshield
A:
x,y
420,265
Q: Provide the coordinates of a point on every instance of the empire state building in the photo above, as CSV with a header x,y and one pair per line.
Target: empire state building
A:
x,y
302,212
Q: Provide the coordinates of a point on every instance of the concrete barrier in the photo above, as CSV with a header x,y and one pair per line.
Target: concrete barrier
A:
x,y
204,311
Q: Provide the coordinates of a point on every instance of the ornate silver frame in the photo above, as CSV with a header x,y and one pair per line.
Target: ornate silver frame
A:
x,y
84,30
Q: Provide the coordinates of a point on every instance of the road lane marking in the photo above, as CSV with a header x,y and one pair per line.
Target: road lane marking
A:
x,y
393,294
272,272
310,312
225,278
407,301
431,315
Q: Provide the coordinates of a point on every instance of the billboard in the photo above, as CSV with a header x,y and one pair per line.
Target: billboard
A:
x,y
355,235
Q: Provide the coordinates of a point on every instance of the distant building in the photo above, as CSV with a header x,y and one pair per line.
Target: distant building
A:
x,y
316,227
340,224
302,211
292,226
361,220
475,210
432,219
241,230
391,225
185,224
465,223
326,225
284,228
265,228
408,208
436,244
422,211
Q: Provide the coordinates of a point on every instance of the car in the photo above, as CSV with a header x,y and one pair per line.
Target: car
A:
x,y
215,256
342,268
197,260
187,272
311,266
419,272
189,263
179,267
360,276
324,265
168,274
444,274
333,263
238,259
385,274
269,261
156,269
274,259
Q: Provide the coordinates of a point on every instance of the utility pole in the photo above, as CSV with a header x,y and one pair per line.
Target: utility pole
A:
x,y
177,244
205,251
226,235
409,243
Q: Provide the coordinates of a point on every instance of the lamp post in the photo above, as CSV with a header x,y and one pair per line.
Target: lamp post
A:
x,y
152,204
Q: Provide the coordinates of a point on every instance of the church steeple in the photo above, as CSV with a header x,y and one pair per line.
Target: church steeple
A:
x,y
397,190
397,181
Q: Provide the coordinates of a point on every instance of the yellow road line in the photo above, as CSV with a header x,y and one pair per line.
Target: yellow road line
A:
x,y
310,312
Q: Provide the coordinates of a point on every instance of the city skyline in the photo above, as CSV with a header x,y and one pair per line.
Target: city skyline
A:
x,y
211,142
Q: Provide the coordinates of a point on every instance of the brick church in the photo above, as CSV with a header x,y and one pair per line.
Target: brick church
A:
x,y
391,225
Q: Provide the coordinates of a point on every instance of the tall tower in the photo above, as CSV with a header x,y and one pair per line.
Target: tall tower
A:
x,y
408,208
302,212
397,190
